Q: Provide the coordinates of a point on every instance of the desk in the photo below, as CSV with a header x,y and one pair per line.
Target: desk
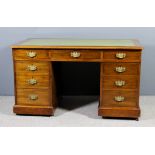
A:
x,y
35,86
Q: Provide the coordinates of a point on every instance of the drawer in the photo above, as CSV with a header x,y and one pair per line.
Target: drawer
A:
x,y
33,97
120,82
27,54
118,98
121,68
30,81
122,56
75,55
32,68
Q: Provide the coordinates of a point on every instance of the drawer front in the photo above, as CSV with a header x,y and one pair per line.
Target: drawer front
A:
x,y
113,98
121,68
120,82
23,54
30,81
31,68
74,55
122,56
33,97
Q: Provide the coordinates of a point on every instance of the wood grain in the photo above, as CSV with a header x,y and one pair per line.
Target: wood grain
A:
x,y
21,54
131,82
110,56
42,81
119,112
131,68
33,110
43,97
65,55
21,68
109,101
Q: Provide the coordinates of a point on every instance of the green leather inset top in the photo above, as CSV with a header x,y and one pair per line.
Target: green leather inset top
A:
x,y
77,42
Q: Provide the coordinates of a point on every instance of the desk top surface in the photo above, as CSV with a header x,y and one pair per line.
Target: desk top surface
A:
x,y
79,43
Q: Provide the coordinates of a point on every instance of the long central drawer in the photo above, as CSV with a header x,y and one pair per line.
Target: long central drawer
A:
x,y
75,55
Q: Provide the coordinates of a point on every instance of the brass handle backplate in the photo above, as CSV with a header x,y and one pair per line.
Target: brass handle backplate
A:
x,y
120,69
119,83
31,54
32,81
120,55
119,98
33,97
31,67
75,54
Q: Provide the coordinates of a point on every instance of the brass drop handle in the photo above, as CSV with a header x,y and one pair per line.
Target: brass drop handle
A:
x,y
75,54
119,98
33,97
31,54
119,83
120,69
32,81
120,55
31,67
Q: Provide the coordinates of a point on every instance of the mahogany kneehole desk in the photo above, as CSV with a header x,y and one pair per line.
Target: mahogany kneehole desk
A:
x,y
35,88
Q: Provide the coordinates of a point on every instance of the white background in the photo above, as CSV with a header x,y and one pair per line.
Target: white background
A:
x,y
77,13
77,141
